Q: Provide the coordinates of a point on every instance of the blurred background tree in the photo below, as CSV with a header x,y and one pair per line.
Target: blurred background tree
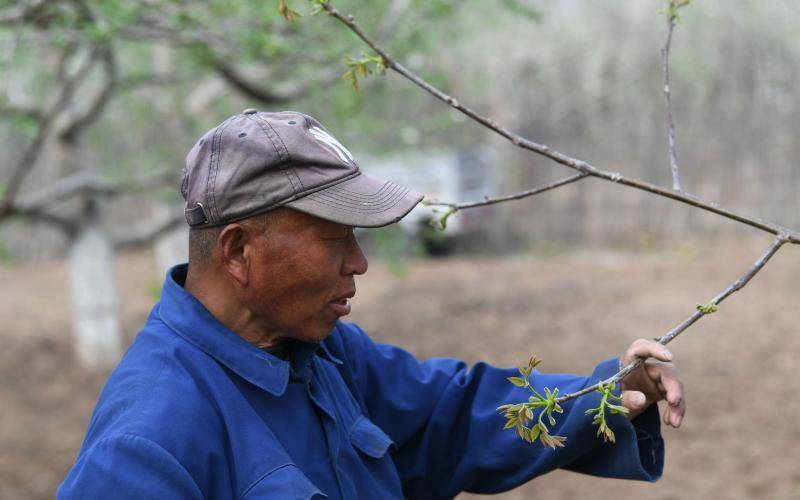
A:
x,y
131,84
102,93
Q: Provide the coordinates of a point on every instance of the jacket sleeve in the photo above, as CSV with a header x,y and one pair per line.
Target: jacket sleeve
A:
x,y
449,435
127,467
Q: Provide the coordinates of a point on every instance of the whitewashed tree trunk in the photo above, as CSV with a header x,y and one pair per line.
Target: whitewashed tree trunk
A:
x,y
96,328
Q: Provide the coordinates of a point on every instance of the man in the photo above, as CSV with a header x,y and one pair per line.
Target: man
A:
x,y
244,383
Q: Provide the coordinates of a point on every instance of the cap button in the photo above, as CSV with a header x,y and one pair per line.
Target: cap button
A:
x,y
249,111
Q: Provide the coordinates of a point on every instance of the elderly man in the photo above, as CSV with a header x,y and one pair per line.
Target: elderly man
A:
x,y
244,383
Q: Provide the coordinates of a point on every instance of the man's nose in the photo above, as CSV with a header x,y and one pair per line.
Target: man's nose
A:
x,y
356,261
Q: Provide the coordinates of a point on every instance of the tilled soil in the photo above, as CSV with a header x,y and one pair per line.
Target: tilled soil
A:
x,y
741,437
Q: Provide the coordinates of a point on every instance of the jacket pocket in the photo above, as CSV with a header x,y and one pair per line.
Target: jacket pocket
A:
x,y
286,482
369,438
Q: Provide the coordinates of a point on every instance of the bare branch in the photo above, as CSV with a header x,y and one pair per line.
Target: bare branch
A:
x,y
248,88
82,183
13,111
34,149
699,313
516,196
22,13
673,157
154,230
266,96
36,214
72,131
558,157
145,80
85,183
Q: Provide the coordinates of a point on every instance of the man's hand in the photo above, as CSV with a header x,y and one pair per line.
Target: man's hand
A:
x,y
652,381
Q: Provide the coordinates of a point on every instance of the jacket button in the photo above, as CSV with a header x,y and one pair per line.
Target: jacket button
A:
x,y
249,111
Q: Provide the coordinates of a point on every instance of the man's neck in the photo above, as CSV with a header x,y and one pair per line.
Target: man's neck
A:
x,y
220,301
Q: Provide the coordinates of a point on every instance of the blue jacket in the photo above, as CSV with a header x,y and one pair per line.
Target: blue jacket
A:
x,y
194,411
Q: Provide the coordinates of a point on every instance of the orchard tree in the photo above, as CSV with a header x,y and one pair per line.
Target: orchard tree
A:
x,y
96,93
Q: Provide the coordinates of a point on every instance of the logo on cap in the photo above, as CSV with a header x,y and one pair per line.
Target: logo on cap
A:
x,y
331,141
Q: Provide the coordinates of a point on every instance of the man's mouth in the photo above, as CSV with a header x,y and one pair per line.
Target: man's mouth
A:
x,y
341,307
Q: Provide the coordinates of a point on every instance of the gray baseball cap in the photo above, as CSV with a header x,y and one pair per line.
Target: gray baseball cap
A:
x,y
256,161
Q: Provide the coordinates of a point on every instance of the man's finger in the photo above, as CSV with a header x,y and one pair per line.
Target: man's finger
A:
x,y
671,387
668,381
643,348
673,415
634,401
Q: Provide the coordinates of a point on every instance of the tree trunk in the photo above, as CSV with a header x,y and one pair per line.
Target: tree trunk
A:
x,y
97,338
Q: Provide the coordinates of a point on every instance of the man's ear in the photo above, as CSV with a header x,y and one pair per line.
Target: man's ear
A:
x,y
235,247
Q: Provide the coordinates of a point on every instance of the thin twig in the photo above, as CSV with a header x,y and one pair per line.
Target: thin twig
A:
x,y
699,313
673,157
499,199
558,157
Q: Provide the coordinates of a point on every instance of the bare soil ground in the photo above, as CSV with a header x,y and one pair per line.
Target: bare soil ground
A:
x,y
741,438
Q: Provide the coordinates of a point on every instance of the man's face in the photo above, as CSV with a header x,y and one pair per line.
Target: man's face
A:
x,y
302,275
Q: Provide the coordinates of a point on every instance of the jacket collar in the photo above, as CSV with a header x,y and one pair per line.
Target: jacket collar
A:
x,y
187,317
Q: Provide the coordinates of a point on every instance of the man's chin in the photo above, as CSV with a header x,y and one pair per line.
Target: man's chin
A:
x,y
317,335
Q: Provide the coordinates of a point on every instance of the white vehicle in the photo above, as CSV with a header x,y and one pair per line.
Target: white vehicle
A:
x,y
453,177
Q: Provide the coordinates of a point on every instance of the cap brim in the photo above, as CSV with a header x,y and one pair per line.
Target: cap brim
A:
x,y
361,201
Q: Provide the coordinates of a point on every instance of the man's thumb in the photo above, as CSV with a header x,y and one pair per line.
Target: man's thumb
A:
x,y
634,400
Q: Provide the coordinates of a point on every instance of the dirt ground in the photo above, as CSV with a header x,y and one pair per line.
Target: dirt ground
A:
x,y
741,438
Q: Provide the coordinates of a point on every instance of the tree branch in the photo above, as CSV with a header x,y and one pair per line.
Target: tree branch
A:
x,y
136,81
240,83
267,97
37,214
146,236
22,13
11,110
701,311
499,199
673,157
34,149
85,183
558,157
70,133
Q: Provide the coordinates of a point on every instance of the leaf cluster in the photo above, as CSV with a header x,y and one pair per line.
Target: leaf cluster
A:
x,y
362,67
606,405
441,222
671,10
287,12
292,15
523,418
708,308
